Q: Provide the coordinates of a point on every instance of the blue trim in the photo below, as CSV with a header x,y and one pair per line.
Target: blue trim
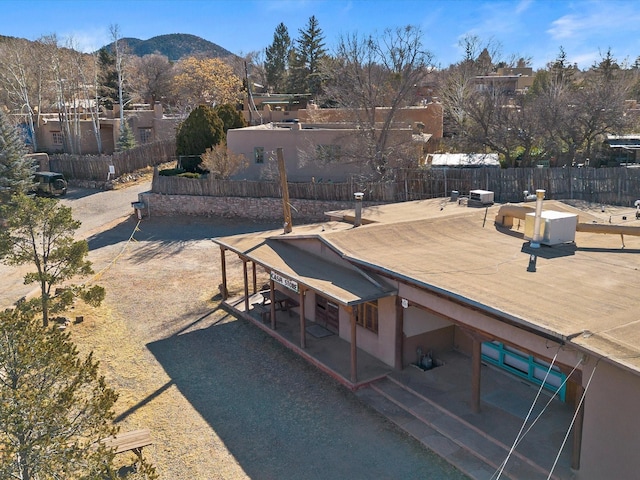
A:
x,y
532,364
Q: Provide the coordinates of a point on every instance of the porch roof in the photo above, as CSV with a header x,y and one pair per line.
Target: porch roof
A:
x,y
345,284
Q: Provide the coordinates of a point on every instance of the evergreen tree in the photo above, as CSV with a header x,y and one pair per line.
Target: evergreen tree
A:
x,y
54,406
40,232
16,171
108,78
230,116
126,140
306,59
277,59
201,130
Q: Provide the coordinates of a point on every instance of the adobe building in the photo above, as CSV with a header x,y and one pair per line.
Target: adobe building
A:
x,y
450,314
312,134
148,125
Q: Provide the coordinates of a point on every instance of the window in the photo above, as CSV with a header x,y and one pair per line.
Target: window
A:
x,y
57,138
146,135
328,153
258,154
367,316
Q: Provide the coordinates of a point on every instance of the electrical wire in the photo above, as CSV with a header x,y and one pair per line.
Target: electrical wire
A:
x,y
535,400
115,259
575,415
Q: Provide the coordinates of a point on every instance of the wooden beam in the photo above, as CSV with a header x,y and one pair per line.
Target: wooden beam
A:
x,y
303,333
577,429
246,285
255,278
354,346
223,267
476,365
272,298
286,206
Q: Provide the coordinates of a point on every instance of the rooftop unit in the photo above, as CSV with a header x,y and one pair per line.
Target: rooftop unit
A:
x,y
555,227
480,198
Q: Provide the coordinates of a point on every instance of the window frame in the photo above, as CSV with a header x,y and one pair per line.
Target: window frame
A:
x,y
367,316
57,138
258,155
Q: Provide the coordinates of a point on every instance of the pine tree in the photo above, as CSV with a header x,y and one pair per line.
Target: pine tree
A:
x,y
16,171
306,59
126,140
40,232
277,59
54,406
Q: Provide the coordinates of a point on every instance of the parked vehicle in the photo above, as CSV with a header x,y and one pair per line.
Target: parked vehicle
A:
x,y
49,183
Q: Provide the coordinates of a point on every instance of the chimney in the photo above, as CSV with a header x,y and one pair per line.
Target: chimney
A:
x,y
358,220
535,242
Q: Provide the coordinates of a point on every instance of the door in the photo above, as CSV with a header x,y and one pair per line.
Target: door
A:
x,y
327,313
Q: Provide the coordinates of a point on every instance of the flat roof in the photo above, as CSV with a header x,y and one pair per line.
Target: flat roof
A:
x,y
585,293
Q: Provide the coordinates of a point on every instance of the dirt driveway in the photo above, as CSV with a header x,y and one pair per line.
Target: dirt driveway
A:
x,y
222,399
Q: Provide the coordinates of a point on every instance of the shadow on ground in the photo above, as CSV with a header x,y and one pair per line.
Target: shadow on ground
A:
x,y
280,417
168,231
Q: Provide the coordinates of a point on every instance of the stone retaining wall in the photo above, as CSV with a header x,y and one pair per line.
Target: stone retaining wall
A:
x,y
254,208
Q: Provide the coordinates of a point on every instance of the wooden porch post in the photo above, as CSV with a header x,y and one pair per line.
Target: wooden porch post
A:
x,y
399,352
476,365
272,297
303,333
246,286
255,281
354,351
223,267
577,429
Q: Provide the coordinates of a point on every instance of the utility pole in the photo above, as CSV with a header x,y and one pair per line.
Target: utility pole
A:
x,y
286,207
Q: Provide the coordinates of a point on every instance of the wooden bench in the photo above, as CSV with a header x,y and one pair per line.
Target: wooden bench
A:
x,y
263,311
134,440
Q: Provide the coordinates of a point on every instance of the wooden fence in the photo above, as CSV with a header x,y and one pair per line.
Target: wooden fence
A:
x,y
613,186
96,167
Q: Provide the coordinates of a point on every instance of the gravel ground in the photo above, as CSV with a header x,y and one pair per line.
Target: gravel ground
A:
x,y
223,400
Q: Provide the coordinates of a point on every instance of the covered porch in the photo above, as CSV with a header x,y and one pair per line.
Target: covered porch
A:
x,y
436,406
320,347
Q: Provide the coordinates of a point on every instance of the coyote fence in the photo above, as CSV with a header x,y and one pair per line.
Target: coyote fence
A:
x,y
96,167
612,186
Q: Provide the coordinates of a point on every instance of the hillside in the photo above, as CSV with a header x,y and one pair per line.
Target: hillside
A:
x,y
175,46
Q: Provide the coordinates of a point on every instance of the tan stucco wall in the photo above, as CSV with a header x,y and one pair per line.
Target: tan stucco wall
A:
x,y
536,345
611,431
294,142
382,344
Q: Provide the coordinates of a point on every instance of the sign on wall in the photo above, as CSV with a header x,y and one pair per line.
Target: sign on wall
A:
x,y
285,282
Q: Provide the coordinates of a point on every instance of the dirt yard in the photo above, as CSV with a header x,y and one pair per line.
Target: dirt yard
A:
x,y
221,398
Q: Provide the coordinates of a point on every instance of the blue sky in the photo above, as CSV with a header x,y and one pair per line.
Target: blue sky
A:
x,y
533,28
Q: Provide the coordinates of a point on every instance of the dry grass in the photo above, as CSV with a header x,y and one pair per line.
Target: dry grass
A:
x,y
185,446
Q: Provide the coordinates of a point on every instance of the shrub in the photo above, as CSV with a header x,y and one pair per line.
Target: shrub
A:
x,y
171,172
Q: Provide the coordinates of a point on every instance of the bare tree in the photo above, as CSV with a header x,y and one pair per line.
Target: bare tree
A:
x,y
372,72
21,76
151,77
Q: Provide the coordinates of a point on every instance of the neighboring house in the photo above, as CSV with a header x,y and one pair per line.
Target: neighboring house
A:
x,y
507,80
624,149
313,141
461,160
395,281
148,125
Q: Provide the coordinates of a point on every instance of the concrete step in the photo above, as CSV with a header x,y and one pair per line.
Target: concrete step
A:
x,y
472,451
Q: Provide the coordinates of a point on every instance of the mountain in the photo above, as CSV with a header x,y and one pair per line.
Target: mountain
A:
x,y
175,46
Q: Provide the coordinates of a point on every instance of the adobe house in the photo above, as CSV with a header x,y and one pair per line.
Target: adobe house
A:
x,y
148,123
325,133
541,294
